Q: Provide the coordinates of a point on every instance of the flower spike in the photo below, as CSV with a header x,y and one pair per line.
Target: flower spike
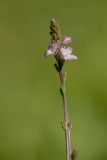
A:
x,y
58,48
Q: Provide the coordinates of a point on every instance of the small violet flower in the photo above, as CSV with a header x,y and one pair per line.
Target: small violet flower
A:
x,y
52,49
67,53
67,40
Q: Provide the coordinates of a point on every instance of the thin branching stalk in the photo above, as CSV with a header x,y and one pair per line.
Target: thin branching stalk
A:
x,y
66,123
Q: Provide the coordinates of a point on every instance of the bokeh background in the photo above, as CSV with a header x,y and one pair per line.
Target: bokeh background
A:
x,y
30,104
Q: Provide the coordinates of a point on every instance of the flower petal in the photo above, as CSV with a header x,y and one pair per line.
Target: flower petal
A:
x,y
71,57
48,52
66,51
67,40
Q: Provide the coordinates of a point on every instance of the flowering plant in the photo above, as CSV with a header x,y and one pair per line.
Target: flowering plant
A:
x,y
61,52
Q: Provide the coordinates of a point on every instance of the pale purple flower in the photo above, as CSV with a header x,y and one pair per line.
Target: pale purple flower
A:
x,y
67,40
55,46
67,53
52,49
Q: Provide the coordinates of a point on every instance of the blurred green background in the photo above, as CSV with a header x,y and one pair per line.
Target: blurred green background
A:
x,y
30,104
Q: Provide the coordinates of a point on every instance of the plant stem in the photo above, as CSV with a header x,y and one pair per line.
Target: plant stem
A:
x,y
66,120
